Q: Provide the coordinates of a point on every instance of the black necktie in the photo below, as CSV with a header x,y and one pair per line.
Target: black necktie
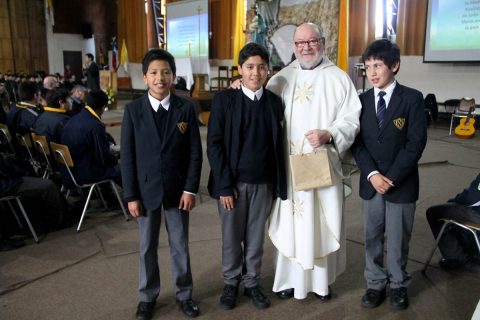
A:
x,y
381,107
255,97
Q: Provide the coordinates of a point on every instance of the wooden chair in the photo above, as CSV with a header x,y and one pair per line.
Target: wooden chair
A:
x,y
63,157
471,227
8,199
222,80
41,145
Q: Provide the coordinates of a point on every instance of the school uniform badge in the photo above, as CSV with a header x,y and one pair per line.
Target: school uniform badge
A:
x,y
182,126
399,123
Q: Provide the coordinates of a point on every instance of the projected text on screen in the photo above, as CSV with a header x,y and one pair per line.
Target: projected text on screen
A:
x,y
453,31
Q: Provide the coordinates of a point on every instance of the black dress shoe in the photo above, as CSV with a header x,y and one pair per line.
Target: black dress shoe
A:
x,y
399,298
373,298
228,300
285,294
259,300
189,308
326,298
145,310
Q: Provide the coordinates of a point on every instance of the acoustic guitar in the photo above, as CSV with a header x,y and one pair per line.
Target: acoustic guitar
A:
x,y
466,128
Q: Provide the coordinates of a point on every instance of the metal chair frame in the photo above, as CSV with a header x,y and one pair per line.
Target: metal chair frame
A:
x,y
7,199
60,152
471,227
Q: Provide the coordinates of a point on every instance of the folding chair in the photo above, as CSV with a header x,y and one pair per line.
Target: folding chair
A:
x,y
41,145
471,227
25,141
7,199
63,157
6,136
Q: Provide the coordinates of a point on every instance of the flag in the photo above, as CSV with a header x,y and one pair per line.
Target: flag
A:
x,y
114,54
49,11
124,56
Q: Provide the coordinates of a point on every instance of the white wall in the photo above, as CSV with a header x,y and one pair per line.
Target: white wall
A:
x,y
445,80
59,42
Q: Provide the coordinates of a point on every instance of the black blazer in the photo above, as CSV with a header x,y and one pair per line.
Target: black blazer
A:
x,y
224,140
393,150
155,171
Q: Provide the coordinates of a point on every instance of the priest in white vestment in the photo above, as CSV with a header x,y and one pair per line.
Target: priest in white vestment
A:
x,y
307,229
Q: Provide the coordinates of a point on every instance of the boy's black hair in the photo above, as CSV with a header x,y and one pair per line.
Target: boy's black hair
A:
x,y
26,90
384,50
55,96
158,54
96,99
250,50
90,56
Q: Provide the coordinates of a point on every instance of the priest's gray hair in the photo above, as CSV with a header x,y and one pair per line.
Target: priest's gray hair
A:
x,y
314,26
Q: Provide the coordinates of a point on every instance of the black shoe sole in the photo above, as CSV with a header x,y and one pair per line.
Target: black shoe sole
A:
x,y
227,307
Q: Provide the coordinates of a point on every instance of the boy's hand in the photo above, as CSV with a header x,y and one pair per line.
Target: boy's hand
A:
x,y
228,202
135,208
237,84
381,183
317,137
187,202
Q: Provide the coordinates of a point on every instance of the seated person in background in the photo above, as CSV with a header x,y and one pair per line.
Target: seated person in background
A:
x,y
457,245
52,121
86,137
43,201
23,115
78,96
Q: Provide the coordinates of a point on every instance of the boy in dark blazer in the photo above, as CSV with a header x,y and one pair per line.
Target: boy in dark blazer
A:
x,y
246,154
392,137
161,160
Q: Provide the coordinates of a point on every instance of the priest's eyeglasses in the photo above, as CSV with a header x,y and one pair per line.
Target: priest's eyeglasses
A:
x,y
311,43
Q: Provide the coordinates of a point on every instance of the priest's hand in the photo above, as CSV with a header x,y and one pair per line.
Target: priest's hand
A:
x,y
227,202
135,208
317,137
237,84
381,183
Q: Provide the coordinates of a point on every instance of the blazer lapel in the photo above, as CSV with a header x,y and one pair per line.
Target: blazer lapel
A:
x,y
370,111
145,114
173,119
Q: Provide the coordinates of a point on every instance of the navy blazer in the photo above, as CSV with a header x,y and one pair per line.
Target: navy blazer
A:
x,y
87,141
395,149
51,124
156,171
224,140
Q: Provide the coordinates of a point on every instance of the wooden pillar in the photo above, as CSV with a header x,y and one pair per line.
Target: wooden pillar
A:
x,y
152,40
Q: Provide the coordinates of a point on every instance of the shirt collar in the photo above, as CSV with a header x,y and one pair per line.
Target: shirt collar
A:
x,y
249,93
155,103
388,90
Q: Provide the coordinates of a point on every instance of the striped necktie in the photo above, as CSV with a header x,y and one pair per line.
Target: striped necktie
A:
x,y
381,108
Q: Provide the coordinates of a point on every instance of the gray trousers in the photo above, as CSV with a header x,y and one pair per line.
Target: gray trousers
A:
x,y
245,224
176,222
395,221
